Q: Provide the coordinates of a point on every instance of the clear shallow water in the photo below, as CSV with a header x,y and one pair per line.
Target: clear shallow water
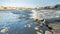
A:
x,y
15,20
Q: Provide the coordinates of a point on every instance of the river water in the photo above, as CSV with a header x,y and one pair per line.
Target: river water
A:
x,y
15,20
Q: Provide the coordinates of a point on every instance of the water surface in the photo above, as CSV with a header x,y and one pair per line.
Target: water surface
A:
x,y
15,20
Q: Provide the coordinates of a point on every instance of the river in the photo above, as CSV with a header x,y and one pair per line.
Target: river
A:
x,y
15,20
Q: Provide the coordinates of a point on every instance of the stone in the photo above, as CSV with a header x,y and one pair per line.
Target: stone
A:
x,y
47,32
4,30
36,28
27,26
38,32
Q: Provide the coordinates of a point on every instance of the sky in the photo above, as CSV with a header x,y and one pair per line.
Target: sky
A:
x,y
28,3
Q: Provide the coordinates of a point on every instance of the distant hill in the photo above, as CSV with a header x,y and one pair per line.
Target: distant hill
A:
x,y
56,7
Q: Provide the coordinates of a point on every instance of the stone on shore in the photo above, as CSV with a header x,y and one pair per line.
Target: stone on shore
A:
x,y
36,28
4,30
38,32
47,32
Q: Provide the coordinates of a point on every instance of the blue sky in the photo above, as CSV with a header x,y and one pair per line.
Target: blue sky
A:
x,y
28,3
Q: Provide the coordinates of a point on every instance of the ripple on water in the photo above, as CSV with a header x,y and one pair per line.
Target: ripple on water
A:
x,y
16,21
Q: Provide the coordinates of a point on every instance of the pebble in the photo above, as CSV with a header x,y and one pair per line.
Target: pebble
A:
x,y
36,28
4,30
38,32
47,32
25,26
28,26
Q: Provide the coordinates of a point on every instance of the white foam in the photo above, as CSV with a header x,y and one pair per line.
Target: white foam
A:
x,y
34,14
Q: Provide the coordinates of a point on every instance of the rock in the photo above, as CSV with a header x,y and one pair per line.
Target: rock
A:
x,y
36,28
47,32
27,26
38,32
4,30
41,30
41,19
34,19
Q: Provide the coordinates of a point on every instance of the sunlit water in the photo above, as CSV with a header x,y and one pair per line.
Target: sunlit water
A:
x,y
47,13
15,20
